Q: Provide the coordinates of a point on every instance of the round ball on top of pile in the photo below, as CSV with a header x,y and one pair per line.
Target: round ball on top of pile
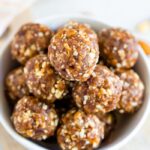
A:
x,y
118,47
30,40
132,92
43,81
34,119
74,51
80,131
16,84
100,93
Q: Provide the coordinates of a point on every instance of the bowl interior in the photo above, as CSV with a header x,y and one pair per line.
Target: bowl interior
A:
x,y
126,127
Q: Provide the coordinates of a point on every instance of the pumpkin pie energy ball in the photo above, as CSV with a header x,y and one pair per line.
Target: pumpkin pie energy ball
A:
x,y
74,51
118,47
34,119
30,40
42,80
132,92
80,131
16,84
100,93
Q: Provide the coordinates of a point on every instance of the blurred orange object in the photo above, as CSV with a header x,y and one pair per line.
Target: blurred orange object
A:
x,y
145,46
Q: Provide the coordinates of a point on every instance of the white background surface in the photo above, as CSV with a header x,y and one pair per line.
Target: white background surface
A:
x,y
124,13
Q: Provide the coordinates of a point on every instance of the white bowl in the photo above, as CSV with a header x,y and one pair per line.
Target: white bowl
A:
x,y
127,127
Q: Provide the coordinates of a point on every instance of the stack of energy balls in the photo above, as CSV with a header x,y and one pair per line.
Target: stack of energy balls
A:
x,y
70,82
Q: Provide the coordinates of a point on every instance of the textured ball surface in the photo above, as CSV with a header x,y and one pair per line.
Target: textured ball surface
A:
x,y
34,119
16,84
30,40
80,131
43,81
118,47
132,92
100,93
74,51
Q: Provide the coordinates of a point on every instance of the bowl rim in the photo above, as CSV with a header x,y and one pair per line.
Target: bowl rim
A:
x,y
29,144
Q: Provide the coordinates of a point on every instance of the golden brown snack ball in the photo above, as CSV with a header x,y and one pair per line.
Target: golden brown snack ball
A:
x,y
109,120
34,119
118,47
30,40
74,51
132,92
16,86
42,80
100,93
80,131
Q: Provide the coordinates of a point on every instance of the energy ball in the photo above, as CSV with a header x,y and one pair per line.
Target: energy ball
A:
x,y
42,80
118,47
109,120
16,84
132,92
100,93
34,119
80,131
74,51
30,40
